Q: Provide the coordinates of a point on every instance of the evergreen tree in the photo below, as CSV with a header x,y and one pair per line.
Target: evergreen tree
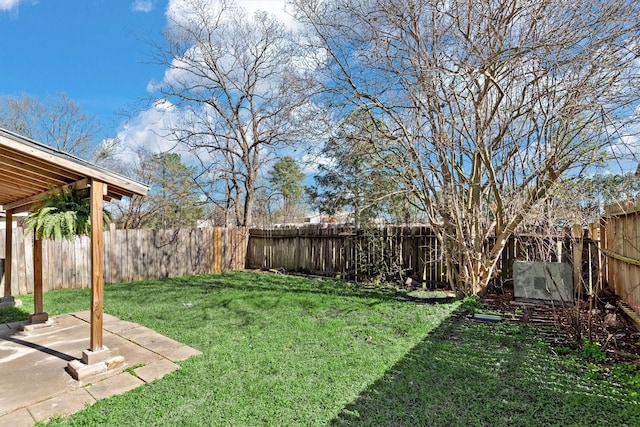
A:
x,y
358,176
286,179
172,202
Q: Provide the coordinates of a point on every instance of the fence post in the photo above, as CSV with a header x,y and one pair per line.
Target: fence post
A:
x,y
217,249
604,262
594,236
576,234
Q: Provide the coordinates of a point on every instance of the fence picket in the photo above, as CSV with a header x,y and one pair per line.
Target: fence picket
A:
x,y
129,255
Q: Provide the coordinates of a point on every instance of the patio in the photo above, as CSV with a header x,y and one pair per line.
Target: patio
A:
x,y
35,383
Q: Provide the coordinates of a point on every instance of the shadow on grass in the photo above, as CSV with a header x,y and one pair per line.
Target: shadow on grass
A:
x,y
13,314
246,296
470,374
263,282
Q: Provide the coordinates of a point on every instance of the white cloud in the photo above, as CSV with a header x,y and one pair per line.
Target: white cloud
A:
x,y
148,131
9,4
311,162
178,10
141,6
275,7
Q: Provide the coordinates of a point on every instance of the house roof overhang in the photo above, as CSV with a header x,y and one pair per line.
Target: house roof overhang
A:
x,y
29,169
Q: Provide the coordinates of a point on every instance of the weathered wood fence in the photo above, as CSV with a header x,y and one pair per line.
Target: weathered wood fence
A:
x,y
128,255
342,251
410,251
620,242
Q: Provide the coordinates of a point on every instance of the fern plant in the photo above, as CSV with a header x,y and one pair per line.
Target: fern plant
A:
x,y
61,213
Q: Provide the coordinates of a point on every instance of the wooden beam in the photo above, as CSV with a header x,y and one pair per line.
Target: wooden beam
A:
x,y
29,201
37,276
577,235
8,252
619,257
97,280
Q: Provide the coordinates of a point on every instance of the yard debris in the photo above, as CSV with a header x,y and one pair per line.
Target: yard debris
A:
x,y
568,325
488,318
187,304
612,321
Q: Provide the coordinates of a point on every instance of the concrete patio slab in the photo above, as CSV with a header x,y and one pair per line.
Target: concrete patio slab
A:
x,y
35,384
62,405
161,344
155,370
181,353
19,418
118,384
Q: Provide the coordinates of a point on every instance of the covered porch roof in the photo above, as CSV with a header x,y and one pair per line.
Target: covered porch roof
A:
x,y
28,170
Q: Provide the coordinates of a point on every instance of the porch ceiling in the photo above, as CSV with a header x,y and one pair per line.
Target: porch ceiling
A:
x,y
28,169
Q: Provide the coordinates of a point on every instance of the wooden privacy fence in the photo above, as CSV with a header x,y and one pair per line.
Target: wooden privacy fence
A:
x,y
332,251
410,251
128,255
620,242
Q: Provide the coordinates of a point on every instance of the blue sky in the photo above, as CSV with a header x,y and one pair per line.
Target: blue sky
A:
x,y
95,51
98,53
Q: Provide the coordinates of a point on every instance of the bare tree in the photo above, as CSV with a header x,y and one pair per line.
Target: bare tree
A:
x,y
240,82
58,122
489,103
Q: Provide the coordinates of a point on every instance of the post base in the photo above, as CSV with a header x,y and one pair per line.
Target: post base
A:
x,y
10,301
92,357
94,363
79,371
39,317
37,323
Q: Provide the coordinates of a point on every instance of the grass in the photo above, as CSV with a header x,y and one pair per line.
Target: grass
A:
x,y
276,350
291,351
468,373
13,314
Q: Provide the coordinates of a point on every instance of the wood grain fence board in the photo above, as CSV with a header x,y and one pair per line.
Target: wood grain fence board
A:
x,y
53,271
118,255
130,255
621,247
57,265
123,244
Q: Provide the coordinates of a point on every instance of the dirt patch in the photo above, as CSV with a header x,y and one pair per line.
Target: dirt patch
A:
x,y
605,324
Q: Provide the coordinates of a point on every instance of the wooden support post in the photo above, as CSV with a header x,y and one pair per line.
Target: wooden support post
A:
x,y
37,275
97,280
39,316
8,253
604,263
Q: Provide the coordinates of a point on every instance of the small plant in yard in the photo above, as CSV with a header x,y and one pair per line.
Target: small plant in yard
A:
x,y
628,376
131,369
471,303
592,351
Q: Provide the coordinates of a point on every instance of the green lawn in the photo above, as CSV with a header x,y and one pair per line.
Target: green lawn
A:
x,y
289,351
